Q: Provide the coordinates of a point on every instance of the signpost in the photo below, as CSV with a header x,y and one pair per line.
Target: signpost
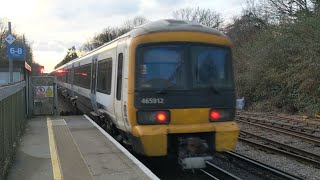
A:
x,y
13,52
10,40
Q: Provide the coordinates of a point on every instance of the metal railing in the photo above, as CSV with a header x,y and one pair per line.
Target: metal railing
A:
x,y
12,120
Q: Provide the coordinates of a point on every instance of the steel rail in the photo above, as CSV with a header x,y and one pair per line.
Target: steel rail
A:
x,y
209,174
310,122
310,138
288,150
218,173
274,171
290,126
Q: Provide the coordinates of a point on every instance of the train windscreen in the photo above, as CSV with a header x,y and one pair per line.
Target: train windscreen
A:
x,y
184,66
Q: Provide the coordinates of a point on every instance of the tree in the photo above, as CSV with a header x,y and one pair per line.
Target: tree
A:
x,y
71,55
132,23
276,55
292,9
111,33
205,17
20,40
3,34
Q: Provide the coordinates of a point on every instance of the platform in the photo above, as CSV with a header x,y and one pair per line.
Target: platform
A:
x,y
73,148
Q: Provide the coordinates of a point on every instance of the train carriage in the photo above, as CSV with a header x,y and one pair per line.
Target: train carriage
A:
x,y
165,87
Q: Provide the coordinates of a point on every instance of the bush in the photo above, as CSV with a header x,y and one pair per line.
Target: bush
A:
x,y
279,69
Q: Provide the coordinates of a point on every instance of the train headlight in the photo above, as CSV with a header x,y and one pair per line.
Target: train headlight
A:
x,y
221,115
153,117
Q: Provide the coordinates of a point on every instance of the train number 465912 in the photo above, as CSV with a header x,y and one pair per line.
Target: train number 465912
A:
x,y
152,100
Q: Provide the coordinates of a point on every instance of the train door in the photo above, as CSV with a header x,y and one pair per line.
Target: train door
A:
x,y
118,102
93,85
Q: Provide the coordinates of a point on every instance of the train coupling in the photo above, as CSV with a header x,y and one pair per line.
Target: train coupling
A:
x,y
195,162
193,153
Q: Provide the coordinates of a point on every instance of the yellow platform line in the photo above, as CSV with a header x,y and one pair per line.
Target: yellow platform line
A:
x,y
56,168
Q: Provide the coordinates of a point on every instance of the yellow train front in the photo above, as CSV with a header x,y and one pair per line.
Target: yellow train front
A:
x,y
180,91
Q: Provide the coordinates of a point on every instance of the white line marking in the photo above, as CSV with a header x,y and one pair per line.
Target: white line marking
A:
x,y
125,151
75,143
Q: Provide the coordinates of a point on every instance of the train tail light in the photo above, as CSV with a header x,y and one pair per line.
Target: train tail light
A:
x,y
217,115
153,117
162,116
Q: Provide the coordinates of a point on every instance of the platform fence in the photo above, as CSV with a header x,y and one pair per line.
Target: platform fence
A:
x,y
12,120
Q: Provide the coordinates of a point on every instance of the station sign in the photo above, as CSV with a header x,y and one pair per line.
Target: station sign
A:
x,y
27,66
15,52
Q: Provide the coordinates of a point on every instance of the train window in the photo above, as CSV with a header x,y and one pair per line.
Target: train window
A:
x,y
211,66
119,76
161,67
67,75
62,75
82,76
75,76
104,76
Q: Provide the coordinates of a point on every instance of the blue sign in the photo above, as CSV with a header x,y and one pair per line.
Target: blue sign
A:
x,y
15,52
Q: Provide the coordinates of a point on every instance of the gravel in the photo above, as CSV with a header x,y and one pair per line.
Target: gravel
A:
x,y
282,138
284,163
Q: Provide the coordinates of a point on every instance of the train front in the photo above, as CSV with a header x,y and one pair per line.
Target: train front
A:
x,y
182,96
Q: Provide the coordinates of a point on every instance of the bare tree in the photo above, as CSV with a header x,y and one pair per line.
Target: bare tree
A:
x,y
245,27
111,33
206,17
290,9
3,33
316,4
136,21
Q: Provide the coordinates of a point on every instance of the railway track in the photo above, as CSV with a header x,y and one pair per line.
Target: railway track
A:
x,y
258,123
307,123
241,167
268,144
216,172
302,127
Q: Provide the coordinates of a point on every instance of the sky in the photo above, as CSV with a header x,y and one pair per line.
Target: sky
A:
x,y
53,26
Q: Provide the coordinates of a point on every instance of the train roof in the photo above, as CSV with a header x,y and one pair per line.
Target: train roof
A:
x,y
163,25
171,25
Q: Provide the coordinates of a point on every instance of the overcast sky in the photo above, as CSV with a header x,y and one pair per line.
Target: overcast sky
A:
x,y
53,26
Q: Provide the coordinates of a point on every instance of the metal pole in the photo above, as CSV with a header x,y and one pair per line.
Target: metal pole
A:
x,y
10,60
26,79
55,86
31,95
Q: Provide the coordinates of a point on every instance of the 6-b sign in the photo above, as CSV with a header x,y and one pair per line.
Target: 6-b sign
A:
x,y
16,52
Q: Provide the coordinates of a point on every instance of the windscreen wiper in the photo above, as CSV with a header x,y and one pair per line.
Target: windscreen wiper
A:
x,y
214,89
164,89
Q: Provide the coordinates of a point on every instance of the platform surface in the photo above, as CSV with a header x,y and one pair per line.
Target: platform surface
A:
x,y
72,147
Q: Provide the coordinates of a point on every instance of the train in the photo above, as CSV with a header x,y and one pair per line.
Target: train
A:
x,y
164,88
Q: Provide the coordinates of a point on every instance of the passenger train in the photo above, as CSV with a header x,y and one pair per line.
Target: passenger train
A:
x,y
166,87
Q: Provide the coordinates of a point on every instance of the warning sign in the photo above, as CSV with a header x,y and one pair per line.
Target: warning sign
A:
x,y
49,92
44,91
40,91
